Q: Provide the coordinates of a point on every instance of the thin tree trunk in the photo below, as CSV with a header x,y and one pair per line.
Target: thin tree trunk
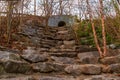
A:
x,y
61,8
9,20
21,15
0,28
93,28
103,28
46,10
35,7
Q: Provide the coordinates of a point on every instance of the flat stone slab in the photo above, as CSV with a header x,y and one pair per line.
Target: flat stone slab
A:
x,y
52,78
113,68
42,67
110,60
103,77
83,48
48,67
33,56
89,57
88,69
55,76
64,54
5,55
11,66
64,60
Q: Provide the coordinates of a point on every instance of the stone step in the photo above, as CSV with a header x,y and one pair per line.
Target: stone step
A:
x,y
110,60
87,69
89,57
31,61
64,54
64,60
58,77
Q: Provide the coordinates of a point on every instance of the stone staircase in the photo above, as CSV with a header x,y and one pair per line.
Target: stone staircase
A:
x,y
56,56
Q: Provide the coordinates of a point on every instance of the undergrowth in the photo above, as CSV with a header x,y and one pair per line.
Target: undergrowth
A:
x,y
85,32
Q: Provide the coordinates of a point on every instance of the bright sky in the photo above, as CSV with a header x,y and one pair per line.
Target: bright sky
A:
x,y
76,10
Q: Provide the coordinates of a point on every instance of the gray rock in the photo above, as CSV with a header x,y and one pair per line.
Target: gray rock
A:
x,y
111,60
12,66
112,46
65,37
103,77
113,68
2,70
4,56
83,48
42,67
74,69
35,40
33,56
64,60
52,78
31,78
69,44
29,30
95,78
48,67
84,69
12,63
63,50
63,32
89,57
57,67
64,54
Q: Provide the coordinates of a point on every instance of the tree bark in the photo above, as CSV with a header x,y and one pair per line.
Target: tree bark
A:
x,y
93,28
103,28
9,20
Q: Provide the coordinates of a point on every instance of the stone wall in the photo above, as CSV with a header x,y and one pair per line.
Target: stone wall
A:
x,y
56,56
54,20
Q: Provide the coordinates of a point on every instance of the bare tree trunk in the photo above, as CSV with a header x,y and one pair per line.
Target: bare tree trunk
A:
x,y
21,15
93,28
9,20
46,10
35,7
103,28
61,8
0,25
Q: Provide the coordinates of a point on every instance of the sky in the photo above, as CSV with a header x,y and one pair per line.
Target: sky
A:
x,y
75,10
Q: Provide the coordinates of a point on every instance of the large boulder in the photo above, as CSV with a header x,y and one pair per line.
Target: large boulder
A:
x,y
48,67
5,56
33,56
12,63
42,67
84,69
12,66
89,57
